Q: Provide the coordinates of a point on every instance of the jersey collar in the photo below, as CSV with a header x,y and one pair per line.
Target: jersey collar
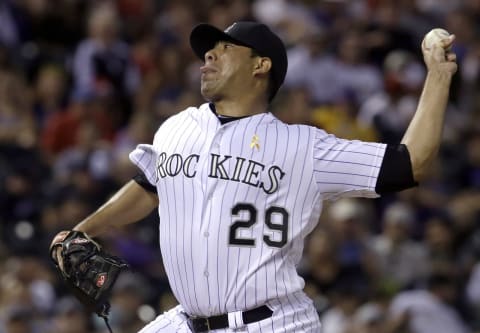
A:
x,y
266,116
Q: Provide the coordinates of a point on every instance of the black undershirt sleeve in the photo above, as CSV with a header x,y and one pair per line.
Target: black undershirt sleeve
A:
x,y
396,172
141,180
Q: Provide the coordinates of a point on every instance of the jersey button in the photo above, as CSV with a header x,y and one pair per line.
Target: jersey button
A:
x,y
205,273
206,234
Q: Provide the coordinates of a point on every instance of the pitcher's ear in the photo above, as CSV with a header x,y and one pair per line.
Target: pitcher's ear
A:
x,y
262,65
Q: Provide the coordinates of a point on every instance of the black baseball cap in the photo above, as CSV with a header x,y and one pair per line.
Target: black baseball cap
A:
x,y
254,35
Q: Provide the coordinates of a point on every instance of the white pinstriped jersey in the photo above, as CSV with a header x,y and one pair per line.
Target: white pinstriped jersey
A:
x,y
237,200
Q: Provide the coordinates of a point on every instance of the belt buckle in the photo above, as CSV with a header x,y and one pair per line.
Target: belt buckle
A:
x,y
195,322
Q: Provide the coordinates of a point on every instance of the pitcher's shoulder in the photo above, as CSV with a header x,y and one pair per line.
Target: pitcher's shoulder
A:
x,y
197,113
311,130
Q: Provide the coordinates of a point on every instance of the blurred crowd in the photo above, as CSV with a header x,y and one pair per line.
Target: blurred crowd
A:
x,y
82,82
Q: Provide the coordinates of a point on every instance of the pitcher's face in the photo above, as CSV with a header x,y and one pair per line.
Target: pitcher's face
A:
x,y
228,71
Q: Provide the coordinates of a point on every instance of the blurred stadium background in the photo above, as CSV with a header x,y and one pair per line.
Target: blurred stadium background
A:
x,y
83,81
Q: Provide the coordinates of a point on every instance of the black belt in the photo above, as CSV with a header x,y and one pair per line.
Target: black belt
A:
x,y
205,324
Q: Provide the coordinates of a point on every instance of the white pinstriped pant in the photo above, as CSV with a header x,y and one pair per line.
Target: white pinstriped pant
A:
x,y
287,317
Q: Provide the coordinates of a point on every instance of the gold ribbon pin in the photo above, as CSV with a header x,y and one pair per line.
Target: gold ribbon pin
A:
x,y
255,142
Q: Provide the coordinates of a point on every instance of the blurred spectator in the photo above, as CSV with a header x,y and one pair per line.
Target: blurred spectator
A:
x,y
460,22
174,23
292,19
439,240
323,267
27,281
89,153
166,80
139,129
136,16
372,316
391,110
49,94
10,32
402,261
464,208
313,67
17,125
295,108
102,63
437,8
470,71
348,219
430,310
69,316
471,172
353,71
21,173
139,247
17,319
346,298
62,129
386,31
341,120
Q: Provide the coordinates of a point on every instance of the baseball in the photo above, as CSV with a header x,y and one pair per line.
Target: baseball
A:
x,y
434,36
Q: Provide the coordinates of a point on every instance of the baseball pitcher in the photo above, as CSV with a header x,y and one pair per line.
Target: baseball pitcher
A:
x,y
237,190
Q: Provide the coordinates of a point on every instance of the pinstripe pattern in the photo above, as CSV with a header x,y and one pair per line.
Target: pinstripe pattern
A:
x,y
203,169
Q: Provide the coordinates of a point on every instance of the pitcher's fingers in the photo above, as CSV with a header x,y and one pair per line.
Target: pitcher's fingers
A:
x,y
58,256
447,42
451,57
59,237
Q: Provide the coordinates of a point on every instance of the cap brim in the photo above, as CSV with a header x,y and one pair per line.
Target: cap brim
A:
x,y
204,37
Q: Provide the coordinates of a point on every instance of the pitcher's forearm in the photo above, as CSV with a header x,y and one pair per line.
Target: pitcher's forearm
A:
x,y
424,133
130,204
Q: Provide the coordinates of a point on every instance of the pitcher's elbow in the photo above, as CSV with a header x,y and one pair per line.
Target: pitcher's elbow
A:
x,y
419,174
422,166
